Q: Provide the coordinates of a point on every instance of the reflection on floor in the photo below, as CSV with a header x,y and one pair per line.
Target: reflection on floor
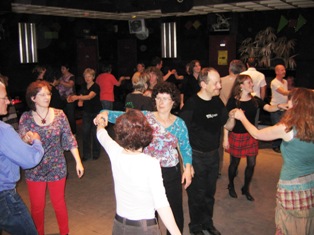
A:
x,y
91,201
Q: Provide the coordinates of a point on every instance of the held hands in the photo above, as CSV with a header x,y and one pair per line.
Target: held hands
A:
x,y
238,114
283,106
30,136
101,119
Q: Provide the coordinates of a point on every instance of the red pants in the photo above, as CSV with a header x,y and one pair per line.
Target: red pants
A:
x,y
37,195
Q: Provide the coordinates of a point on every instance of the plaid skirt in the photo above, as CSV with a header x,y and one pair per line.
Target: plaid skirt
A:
x,y
295,206
242,145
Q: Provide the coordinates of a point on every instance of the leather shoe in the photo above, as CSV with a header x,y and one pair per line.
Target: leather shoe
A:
x,y
277,150
213,231
247,194
232,192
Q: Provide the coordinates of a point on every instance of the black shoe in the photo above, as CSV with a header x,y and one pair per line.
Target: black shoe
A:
x,y
198,233
277,150
213,231
247,194
232,192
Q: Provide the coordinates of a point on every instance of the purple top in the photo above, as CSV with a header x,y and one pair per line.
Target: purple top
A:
x,y
56,137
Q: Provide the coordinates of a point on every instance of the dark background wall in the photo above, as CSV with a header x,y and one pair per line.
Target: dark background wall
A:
x,y
115,44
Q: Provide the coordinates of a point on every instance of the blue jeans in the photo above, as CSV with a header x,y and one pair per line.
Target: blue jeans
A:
x,y
275,118
201,192
91,146
14,215
107,104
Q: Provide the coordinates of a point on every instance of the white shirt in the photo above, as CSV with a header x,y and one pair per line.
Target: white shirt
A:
x,y
138,181
276,97
258,80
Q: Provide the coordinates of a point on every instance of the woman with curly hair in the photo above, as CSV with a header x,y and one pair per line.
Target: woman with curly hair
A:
x,y
137,176
169,135
295,189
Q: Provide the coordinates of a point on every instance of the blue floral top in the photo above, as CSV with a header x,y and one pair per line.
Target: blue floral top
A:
x,y
165,141
56,137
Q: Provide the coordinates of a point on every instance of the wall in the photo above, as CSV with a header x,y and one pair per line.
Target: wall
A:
x,y
193,34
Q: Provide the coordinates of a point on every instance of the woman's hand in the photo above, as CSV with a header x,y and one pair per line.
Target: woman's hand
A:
x,y
225,143
101,119
239,114
79,169
283,106
187,176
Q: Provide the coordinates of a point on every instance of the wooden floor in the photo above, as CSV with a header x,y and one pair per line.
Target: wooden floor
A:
x,y
91,201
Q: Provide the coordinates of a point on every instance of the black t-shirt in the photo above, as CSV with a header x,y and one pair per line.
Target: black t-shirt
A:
x,y
139,101
93,105
204,120
189,87
250,109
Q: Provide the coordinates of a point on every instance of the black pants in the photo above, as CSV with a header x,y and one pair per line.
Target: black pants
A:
x,y
201,193
173,186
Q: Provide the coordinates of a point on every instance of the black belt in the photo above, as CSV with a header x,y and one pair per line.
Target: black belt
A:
x,y
136,223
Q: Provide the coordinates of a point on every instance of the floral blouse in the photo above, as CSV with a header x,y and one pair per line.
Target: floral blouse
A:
x,y
165,140
55,137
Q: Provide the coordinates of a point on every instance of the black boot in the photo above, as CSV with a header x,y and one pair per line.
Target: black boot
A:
x,y
232,192
247,194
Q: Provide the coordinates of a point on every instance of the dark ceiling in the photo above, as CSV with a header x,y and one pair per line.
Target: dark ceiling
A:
x,y
130,9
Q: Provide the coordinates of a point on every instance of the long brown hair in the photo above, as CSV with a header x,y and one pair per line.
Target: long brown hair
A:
x,y
301,115
237,90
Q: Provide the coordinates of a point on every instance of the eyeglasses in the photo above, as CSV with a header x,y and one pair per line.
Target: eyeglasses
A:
x,y
164,99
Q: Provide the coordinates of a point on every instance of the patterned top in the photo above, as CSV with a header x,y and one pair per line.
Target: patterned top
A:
x,y
56,137
165,140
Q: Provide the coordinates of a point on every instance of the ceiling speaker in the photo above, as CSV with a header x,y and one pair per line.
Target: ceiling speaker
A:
x,y
137,26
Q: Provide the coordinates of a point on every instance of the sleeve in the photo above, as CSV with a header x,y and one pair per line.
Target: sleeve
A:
x,y
108,143
113,115
22,154
187,113
68,140
231,104
22,124
184,143
156,185
260,102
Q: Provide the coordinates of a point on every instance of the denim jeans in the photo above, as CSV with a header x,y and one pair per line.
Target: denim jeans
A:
x,y
91,146
107,104
14,216
275,118
201,192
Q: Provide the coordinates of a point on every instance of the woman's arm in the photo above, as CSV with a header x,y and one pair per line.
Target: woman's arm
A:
x,y
79,165
266,134
90,96
274,108
167,218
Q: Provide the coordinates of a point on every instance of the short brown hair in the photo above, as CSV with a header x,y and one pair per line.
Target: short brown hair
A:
x,y
132,130
167,88
33,89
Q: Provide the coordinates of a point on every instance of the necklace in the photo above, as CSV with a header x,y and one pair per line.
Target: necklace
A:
x,y
43,120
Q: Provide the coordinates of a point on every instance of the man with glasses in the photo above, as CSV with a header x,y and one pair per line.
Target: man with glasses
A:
x,y
14,153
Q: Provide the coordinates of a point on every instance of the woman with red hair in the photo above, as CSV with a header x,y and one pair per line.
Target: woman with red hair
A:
x,y
295,190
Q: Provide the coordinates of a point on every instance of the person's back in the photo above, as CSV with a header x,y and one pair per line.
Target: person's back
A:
x,y
235,68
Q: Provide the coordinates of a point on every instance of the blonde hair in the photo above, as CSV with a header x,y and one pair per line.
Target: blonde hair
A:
x,y
140,82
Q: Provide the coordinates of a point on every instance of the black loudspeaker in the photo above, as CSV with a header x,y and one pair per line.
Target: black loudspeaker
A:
x,y
170,6
5,6
137,26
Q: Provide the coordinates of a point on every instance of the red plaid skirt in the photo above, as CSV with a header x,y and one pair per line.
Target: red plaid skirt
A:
x,y
242,145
